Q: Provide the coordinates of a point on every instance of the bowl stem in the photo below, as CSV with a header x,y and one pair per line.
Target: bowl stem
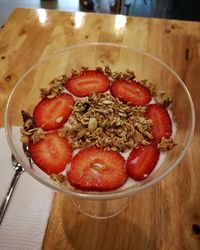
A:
x,y
101,209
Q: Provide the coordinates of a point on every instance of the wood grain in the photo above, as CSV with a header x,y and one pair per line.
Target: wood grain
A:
x,y
161,217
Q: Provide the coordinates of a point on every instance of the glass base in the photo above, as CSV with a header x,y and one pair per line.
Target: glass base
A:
x,y
101,209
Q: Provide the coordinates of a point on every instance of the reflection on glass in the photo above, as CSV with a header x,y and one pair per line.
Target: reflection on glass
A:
x,y
79,19
120,22
42,15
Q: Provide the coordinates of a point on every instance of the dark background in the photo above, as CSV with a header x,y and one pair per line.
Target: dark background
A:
x,y
170,9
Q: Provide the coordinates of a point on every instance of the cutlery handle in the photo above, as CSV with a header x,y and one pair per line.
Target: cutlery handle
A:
x,y
8,196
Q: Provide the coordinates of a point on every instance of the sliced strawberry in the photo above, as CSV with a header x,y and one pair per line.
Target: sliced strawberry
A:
x,y
132,93
52,113
162,125
52,153
86,82
94,169
142,161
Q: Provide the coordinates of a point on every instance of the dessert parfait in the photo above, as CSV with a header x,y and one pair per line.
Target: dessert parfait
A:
x,y
99,130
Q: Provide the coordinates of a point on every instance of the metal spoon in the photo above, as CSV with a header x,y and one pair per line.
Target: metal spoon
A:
x,y
18,170
27,153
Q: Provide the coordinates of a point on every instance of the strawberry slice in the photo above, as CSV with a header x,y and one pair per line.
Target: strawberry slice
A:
x,y
52,153
142,161
51,114
94,169
86,82
132,93
162,125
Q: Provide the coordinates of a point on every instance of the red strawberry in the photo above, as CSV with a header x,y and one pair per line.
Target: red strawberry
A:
x,y
51,153
132,93
51,114
162,125
94,169
86,82
142,161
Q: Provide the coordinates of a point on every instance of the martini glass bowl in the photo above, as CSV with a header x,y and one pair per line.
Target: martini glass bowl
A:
x,y
26,94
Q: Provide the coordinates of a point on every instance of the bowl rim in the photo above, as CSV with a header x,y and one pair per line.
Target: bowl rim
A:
x,y
100,195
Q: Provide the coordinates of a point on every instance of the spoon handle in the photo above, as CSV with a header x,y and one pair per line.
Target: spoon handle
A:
x,y
8,196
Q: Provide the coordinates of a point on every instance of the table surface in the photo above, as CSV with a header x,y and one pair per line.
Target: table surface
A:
x,y
166,216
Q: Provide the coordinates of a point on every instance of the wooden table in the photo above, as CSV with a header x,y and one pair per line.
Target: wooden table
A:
x,y
166,216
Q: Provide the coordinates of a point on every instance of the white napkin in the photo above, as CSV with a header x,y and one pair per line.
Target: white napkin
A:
x,y
24,223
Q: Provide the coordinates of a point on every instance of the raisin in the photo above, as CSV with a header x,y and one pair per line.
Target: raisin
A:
x,y
86,106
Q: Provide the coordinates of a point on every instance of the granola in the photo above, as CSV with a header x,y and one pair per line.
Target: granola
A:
x,y
29,132
34,135
56,87
107,123
160,96
166,144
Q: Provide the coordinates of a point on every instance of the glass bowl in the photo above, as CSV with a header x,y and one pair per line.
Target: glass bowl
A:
x,y
119,58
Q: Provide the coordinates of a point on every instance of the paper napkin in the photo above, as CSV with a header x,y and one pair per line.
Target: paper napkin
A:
x,y
24,223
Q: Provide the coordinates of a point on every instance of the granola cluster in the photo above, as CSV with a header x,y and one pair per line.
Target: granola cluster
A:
x,y
57,86
166,144
104,121
29,132
160,97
